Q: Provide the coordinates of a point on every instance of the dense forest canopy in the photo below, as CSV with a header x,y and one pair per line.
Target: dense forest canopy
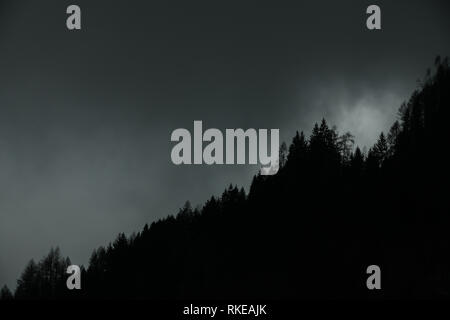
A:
x,y
308,231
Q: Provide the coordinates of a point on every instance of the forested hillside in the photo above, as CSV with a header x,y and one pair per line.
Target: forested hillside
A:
x,y
309,231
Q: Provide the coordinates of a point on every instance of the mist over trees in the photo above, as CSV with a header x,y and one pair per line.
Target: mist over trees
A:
x,y
309,231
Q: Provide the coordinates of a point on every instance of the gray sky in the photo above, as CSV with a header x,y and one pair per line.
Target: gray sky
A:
x,y
86,116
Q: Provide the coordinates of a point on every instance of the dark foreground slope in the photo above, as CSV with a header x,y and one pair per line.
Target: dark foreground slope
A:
x,y
309,231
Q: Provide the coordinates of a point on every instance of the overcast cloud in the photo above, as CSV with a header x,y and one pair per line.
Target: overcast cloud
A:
x,y
86,116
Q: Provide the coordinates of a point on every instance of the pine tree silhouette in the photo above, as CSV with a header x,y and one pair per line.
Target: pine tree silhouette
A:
x,y
309,231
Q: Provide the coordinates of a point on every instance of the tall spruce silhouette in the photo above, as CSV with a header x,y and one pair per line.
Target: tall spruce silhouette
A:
x,y
311,230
